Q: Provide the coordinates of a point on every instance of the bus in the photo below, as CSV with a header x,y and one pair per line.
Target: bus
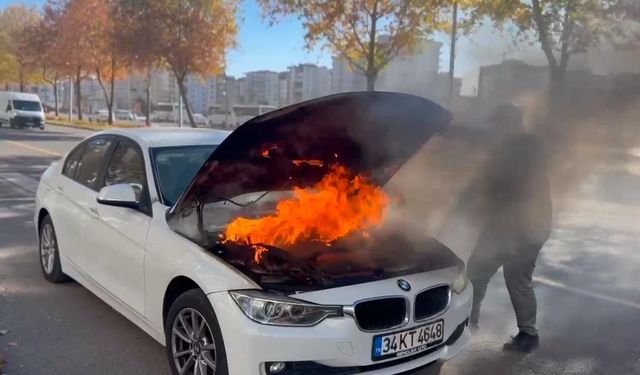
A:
x,y
238,114
242,113
167,112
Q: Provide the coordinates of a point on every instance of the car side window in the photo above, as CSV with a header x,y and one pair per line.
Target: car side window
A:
x,y
127,167
92,162
8,106
71,163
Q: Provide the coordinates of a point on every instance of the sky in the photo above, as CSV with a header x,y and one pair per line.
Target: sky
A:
x,y
262,46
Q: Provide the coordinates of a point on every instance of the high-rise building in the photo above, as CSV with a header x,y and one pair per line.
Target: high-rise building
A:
x,y
510,79
262,87
163,87
283,89
197,90
308,81
344,78
243,91
415,73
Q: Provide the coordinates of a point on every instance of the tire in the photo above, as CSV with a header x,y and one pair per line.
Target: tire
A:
x,y
49,254
207,350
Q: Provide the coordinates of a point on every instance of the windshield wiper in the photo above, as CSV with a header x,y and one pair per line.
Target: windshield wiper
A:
x,y
245,204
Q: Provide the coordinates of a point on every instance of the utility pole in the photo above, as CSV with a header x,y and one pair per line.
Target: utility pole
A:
x,y
180,110
452,55
70,98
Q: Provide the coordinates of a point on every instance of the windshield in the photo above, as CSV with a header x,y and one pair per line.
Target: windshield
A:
x,y
27,105
174,168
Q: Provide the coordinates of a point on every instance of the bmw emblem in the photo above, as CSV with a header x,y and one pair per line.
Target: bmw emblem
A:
x,y
404,285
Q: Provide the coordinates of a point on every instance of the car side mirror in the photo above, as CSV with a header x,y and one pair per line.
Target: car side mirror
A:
x,y
119,195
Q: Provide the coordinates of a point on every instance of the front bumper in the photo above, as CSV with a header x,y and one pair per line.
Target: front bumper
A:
x,y
335,346
25,122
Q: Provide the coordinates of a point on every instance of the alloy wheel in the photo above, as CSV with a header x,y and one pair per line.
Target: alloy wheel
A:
x,y
47,248
192,345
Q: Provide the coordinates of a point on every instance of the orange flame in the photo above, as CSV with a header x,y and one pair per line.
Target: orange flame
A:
x,y
336,206
259,253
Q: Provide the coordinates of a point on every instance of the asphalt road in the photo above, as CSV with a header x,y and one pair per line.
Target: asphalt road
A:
x,y
586,281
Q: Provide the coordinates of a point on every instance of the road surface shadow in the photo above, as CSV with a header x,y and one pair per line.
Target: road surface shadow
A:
x,y
26,135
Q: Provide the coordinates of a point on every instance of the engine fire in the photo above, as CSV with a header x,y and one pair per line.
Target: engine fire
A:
x,y
339,205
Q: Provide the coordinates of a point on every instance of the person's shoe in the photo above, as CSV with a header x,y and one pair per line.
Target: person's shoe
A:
x,y
523,342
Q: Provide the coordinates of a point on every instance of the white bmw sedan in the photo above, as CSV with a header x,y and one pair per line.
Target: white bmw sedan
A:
x,y
265,250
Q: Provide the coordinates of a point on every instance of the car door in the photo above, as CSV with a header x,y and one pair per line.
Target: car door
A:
x,y
116,238
65,212
77,189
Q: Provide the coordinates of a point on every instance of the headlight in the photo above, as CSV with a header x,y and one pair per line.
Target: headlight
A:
x,y
461,281
276,310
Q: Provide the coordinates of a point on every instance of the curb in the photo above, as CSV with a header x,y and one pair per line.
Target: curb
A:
x,y
90,127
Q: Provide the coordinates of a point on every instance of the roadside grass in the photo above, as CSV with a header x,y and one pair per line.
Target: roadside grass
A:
x,y
84,124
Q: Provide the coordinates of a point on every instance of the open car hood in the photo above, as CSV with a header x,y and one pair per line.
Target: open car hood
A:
x,y
370,133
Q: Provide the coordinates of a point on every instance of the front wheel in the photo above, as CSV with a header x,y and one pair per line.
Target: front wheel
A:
x,y
49,254
193,337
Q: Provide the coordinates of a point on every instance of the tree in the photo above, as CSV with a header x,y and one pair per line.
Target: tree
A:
x,y
367,33
74,25
136,42
97,29
15,20
562,28
461,14
190,36
42,47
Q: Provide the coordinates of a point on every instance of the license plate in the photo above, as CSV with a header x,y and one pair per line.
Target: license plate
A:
x,y
408,342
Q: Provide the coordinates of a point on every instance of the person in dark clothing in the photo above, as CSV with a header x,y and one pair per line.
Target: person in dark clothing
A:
x,y
515,210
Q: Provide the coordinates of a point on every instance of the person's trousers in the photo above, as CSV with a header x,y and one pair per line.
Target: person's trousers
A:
x,y
518,262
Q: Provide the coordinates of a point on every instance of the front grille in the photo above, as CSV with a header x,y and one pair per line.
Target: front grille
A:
x,y
431,302
381,313
21,121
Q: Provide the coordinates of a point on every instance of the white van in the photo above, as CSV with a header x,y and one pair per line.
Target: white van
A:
x,y
21,110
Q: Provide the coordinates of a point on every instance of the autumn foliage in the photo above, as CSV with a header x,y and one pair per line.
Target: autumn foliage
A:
x,y
107,39
367,33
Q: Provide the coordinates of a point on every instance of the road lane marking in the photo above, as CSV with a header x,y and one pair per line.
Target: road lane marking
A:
x,y
34,148
586,293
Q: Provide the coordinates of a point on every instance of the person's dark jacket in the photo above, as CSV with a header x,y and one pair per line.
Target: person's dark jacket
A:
x,y
515,192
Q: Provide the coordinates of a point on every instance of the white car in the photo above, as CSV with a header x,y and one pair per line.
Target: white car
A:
x,y
143,218
200,120
123,114
101,115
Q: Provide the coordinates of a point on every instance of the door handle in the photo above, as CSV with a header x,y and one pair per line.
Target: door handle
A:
x,y
59,189
93,212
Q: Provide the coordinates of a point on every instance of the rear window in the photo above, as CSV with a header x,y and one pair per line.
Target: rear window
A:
x,y
71,163
92,162
175,167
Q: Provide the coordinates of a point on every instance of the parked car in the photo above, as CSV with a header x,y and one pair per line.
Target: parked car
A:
x,y
21,110
200,120
101,115
139,217
124,115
